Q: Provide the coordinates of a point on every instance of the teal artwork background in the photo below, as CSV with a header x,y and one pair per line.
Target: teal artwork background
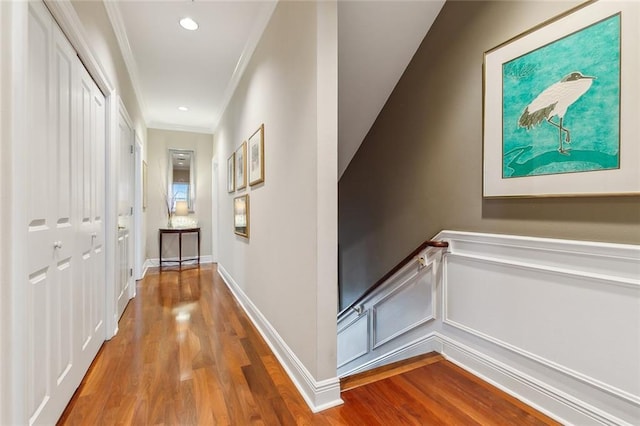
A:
x,y
593,120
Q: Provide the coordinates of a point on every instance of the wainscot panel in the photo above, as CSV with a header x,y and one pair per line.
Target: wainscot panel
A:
x,y
400,318
353,339
555,323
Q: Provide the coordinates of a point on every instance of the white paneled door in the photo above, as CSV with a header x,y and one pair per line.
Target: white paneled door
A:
x,y
124,261
65,234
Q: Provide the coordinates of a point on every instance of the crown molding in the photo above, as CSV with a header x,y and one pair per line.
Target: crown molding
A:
x,y
117,24
250,46
179,127
68,20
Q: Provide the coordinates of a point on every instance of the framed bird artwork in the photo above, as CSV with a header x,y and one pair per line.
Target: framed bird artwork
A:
x,y
561,106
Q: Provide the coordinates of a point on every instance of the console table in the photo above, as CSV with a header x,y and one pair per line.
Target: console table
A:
x,y
180,232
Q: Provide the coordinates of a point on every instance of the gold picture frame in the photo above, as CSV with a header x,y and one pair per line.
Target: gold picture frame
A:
x,y
241,166
231,174
256,156
241,215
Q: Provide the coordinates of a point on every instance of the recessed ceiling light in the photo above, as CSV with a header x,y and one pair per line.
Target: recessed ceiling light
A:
x,y
183,108
188,24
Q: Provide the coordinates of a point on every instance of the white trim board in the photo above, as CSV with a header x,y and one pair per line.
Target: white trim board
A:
x,y
319,395
117,24
571,307
548,400
423,345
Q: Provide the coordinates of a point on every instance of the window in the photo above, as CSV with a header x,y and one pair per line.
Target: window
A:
x,y
180,192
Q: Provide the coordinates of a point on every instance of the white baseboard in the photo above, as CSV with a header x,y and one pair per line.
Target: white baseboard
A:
x,y
319,395
424,345
556,404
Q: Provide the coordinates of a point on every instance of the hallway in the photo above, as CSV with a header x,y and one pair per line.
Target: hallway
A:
x,y
187,354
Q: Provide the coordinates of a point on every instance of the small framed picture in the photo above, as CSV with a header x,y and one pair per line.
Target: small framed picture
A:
x,y
241,215
256,156
241,166
231,174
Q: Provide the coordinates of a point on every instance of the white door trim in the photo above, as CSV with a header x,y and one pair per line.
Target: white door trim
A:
x,y
214,210
138,271
122,110
14,40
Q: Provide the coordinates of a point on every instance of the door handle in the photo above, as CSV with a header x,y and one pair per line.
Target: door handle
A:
x,y
94,235
57,244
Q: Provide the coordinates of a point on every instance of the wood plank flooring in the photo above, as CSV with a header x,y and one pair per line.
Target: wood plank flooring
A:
x,y
186,354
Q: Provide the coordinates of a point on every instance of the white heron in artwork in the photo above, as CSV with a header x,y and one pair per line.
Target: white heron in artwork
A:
x,y
554,101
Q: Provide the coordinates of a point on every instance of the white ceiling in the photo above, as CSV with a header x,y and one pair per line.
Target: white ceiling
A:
x,y
172,67
376,41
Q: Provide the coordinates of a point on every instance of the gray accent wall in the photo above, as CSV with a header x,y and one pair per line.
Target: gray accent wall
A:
x,y
419,169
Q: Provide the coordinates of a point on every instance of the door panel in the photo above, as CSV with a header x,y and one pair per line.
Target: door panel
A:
x,y
40,235
85,228
90,234
97,235
65,279
63,91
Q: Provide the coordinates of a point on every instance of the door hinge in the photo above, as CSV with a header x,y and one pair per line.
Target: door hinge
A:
x,y
130,272
131,149
131,210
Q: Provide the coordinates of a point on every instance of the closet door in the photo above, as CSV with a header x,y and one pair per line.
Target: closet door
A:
x,y
58,355
90,283
52,260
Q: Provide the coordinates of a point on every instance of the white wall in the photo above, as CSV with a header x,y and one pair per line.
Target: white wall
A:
x,y
4,164
287,268
160,141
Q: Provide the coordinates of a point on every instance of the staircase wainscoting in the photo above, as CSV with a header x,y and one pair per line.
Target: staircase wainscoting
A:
x,y
556,323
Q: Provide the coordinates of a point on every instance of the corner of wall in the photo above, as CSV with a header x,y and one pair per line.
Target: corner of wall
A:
x,y
319,395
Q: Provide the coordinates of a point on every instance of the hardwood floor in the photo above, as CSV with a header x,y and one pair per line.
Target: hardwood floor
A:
x,y
186,354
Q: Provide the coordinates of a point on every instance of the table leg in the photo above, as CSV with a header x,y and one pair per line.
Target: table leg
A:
x,y
160,245
180,249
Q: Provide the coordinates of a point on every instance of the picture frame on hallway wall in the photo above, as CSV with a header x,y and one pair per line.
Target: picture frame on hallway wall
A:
x,y
561,106
256,156
231,173
241,167
241,215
